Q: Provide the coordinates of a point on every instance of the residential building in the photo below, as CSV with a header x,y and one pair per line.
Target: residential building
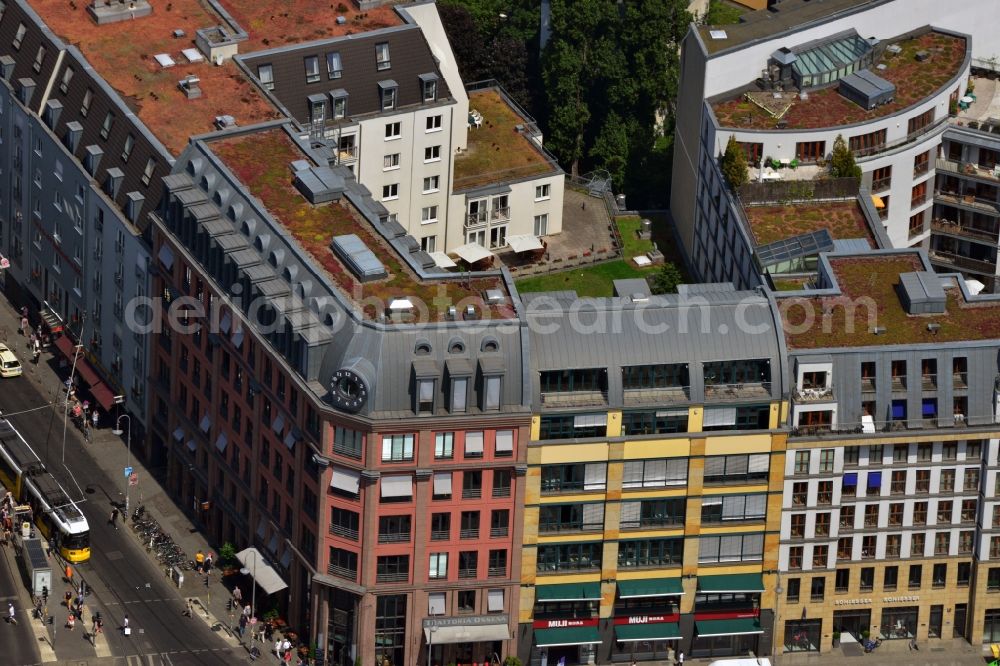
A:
x,y
373,460
889,489
787,81
652,498
451,167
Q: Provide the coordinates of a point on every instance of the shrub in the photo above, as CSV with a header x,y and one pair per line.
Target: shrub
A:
x,y
665,280
227,554
734,164
842,164
342,8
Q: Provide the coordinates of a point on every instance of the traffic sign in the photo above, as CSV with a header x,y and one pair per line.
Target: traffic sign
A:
x,y
133,479
128,472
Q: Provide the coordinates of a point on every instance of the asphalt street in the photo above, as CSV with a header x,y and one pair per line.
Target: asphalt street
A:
x,y
123,579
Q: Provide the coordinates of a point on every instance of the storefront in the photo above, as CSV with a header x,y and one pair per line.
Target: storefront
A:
x,y
853,622
465,640
727,616
802,635
646,620
899,623
566,627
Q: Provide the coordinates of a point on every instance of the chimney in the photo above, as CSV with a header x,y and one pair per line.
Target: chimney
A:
x,y
25,90
74,131
53,108
93,159
6,67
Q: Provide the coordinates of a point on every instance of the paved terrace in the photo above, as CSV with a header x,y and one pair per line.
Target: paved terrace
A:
x,y
843,219
123,53
272,23
497,150
914,81
260,160
843,320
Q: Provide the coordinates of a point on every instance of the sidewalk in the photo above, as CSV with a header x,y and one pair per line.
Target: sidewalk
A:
x,y
110,454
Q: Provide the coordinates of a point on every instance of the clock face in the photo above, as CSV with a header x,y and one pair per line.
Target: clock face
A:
x,y
348,391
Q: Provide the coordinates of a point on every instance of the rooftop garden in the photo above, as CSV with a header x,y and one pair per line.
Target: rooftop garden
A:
x,y
914,81
272,23
774,223
260,160
869,298
496,150
123,53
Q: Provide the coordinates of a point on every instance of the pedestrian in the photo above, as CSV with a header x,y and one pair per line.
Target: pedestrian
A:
x,y
79,600
71,621
99,621
24,325
277,648
67,597
208,563
199,561
243,624
11,616
125,628
268,630
190,609
237,596
247,611
94,417
286,646
680,658
114,517
288,657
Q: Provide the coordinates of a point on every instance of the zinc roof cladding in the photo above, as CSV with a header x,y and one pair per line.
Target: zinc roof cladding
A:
x,y
104,100
830,54
409,57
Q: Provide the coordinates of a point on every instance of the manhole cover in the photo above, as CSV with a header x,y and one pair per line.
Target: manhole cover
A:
x,y
114,555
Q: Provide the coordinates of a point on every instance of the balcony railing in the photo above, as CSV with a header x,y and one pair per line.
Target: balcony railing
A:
x,y
496,532
347,153
969,169
880,184
472,493
574,398
965,231
745,390
814,394
468,533
928,381
466,573
341,572
346,532
440,535
960,380
921,168
652,396
394,537
392,577
951,259
497,572
867,384
918,200
989,206
502,491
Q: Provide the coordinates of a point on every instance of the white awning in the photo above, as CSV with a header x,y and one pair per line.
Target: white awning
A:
x,y
719,416
474,442
442,483
435,603
472,252
442,260
221,442
494,602
400,305
397,486
166,256
524,243
505,441
347,480
867,423
262,572
590,420
468,633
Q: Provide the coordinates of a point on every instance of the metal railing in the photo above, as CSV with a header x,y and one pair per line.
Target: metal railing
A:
x,y
346,532
496,572
392,577
978,265
499,532
990,206
744,390
468,533
396,537
968,169
472,493
812,394
957,229
342,572
440,535
466,573
921,168
574,398
881,184
503,491
790,191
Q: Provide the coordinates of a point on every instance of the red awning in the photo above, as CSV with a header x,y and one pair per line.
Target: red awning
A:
x,y
103,395
83,369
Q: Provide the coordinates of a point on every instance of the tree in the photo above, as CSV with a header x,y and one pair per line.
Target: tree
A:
x,y
611,149
842,164
734,164
665,280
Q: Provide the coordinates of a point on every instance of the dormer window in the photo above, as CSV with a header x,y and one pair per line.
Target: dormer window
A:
x,y
147,173
425,396
382,56
429,87
39,58
127,149
334,69
88,97
312,69
317,109
265,73
109,121
19,36
388,90
339,99
459,393
66,78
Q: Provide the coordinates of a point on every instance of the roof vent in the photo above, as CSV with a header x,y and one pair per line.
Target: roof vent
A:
x,y
25,90
178,33
7,66
921,56
190,85
718,34
921,293
341,20
452,313
879,330
894,49
470,312
319,184
225,122
358,258
74,131
934,328
494,296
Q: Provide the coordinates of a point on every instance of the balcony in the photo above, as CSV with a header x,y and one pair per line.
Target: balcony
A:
x,y
968,200
574,398
965,231
347,154
394,537
959,261
822,394
881,184
497,572
497,532
440,535
346,532
921,168
655,396
466,573
342,572
480,218
502,491
472,493
991,173
468,533
737,391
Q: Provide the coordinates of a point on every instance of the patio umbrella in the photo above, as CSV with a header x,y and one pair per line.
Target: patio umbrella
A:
x,y
975,286
877,200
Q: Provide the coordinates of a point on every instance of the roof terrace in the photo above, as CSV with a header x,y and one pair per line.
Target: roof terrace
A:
x,y
124,54
261,162
843,219
500,145
867,296
914,80
272,23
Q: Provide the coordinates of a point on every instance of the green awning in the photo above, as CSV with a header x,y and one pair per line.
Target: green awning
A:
x,y
739,627
566,636
650,587
731,583
661,631
568,592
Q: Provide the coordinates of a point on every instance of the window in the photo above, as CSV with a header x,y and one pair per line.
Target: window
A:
x,y
570,556
893,545
871,515
19,36
428,214
939,574
654,473
433,123
503,445
654,513
473,439
845,548
312,69
466,601
944,512
499,523
650,553
339,107
265,74
468,564
393,130
541,224
430,88
581,476
333,66
88,97
397,448
810,151
390,162
971,483
39,58
716,509
964,575
890,578
847,517
916,224
491,392
993,579
973,451
431,184
824,492
343,563
382,56
347,442
798,529
751,468
867,144
794,585
390,192
842,581
897,483
472,484
655,422
469,528
542,191
920,513
497,563
438,566
795,558
899,453
896,513
851,455
918,544
444,445
432,154
109,121
388,97
800,493
802,462
393,529
826,461
574,426
501,483
923,480
817,588
127,149
731,548
881,178
822,526
917,123
147,173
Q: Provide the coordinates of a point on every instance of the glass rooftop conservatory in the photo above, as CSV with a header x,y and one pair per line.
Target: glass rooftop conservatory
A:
x,y
826,60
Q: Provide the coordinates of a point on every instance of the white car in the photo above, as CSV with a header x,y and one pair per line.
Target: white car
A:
x,y
9,365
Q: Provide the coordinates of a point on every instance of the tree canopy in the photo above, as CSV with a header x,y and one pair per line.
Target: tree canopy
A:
x,y
842,164
734,164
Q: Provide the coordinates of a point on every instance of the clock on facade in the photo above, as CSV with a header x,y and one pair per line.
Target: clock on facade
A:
x,y
348,390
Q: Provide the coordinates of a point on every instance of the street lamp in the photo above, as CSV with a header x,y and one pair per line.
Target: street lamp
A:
x,y
430,642
253,599
128,460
